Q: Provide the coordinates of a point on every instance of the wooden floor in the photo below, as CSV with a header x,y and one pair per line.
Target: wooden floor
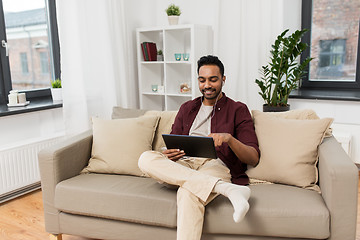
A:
x,y
22,219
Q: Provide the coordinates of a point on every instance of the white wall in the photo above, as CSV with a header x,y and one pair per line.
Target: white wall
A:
x,y
20,129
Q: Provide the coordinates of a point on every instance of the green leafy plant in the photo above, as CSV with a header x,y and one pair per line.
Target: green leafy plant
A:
x,y
173,10
56,83
159,52
284,71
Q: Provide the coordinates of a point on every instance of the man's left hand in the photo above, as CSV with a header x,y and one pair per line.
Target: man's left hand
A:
x,y
220,138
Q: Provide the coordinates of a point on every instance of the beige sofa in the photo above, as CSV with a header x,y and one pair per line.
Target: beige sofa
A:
x,y
107,206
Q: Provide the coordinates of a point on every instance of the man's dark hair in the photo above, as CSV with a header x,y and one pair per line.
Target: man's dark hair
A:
x,y
210,60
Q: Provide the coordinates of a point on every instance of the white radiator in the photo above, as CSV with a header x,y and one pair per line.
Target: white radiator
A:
x,y
19,169
344,139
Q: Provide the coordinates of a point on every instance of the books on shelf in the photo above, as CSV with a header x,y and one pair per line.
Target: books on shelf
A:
x,y
149,51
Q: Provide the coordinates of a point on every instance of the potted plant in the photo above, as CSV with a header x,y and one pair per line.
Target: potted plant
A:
x,y
283,72
160,56
56,90
173,13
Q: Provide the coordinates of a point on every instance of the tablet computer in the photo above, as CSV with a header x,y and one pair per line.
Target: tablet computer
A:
x,y
193,146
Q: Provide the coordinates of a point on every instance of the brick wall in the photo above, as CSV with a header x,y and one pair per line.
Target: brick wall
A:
x,y
335,19
34,78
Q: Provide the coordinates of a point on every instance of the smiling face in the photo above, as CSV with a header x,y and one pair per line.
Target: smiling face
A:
x,y
210,83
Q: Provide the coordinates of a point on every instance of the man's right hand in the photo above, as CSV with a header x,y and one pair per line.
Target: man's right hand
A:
x,y
174,154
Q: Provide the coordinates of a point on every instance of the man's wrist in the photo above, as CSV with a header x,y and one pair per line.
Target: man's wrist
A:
x,y
231,140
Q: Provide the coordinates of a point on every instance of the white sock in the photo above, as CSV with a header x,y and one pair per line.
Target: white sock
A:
x,y
238,196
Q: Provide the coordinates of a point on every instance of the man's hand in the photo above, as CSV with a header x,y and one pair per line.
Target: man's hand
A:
x,y
174,154
246,154
220,138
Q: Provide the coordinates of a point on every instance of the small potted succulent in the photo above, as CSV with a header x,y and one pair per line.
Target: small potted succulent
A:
x,y
173,13
56,90
160,56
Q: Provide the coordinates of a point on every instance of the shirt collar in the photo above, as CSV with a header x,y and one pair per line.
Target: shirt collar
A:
x,y
198,101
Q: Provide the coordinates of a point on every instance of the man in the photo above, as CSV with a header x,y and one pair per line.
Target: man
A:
x,y
200,180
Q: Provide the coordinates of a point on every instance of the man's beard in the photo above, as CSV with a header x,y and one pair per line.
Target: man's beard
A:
x,y
210,89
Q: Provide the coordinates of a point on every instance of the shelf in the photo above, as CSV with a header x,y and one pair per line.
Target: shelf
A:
x,y
171,74
153,93
178,62
152,62
169,94
167,62
171,27
179,94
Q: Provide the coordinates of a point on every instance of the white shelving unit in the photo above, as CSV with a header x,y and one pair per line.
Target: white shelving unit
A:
x,y
193,39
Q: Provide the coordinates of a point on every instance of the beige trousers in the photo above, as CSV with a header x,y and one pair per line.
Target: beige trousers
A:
x,y
196,178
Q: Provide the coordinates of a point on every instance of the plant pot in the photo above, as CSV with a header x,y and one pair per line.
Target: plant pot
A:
x,y
267,108
160,58
56,94
173,20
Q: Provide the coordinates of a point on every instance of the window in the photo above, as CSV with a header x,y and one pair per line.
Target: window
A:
x,y
331,60
29,50
24,63
44,62
333,42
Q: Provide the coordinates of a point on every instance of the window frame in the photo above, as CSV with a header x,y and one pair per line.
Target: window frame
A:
x,y
5,77
306,23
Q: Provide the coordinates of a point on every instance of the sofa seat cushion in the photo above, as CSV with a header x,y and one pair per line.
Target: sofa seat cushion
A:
x,y
119,197
275,210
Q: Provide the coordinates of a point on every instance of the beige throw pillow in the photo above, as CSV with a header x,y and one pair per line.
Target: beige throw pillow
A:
x,y
288,149
120,112
118,144
300,114
166,121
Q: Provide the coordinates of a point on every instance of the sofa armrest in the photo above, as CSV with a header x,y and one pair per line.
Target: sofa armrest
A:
x,y
338,179
57,163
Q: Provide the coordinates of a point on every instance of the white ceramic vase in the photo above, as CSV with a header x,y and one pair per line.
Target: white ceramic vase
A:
x,y
56,94
173,20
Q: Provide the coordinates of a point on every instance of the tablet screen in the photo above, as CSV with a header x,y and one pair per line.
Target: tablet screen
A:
x,y
193,146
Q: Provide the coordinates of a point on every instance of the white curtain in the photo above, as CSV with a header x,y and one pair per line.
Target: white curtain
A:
x,y
243,37
94,57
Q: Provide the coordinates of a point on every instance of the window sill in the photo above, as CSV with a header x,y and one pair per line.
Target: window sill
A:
x,y
326,94
36,104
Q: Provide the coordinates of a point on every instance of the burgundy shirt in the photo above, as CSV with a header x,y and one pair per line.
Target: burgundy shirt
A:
x,y
230,117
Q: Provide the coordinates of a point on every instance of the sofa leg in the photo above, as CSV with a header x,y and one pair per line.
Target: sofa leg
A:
x,y
56,237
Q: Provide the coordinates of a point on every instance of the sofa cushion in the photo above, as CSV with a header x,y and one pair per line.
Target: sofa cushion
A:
x,y
164,127
288,149
120,112
275,210
300,114
120,197
118,144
